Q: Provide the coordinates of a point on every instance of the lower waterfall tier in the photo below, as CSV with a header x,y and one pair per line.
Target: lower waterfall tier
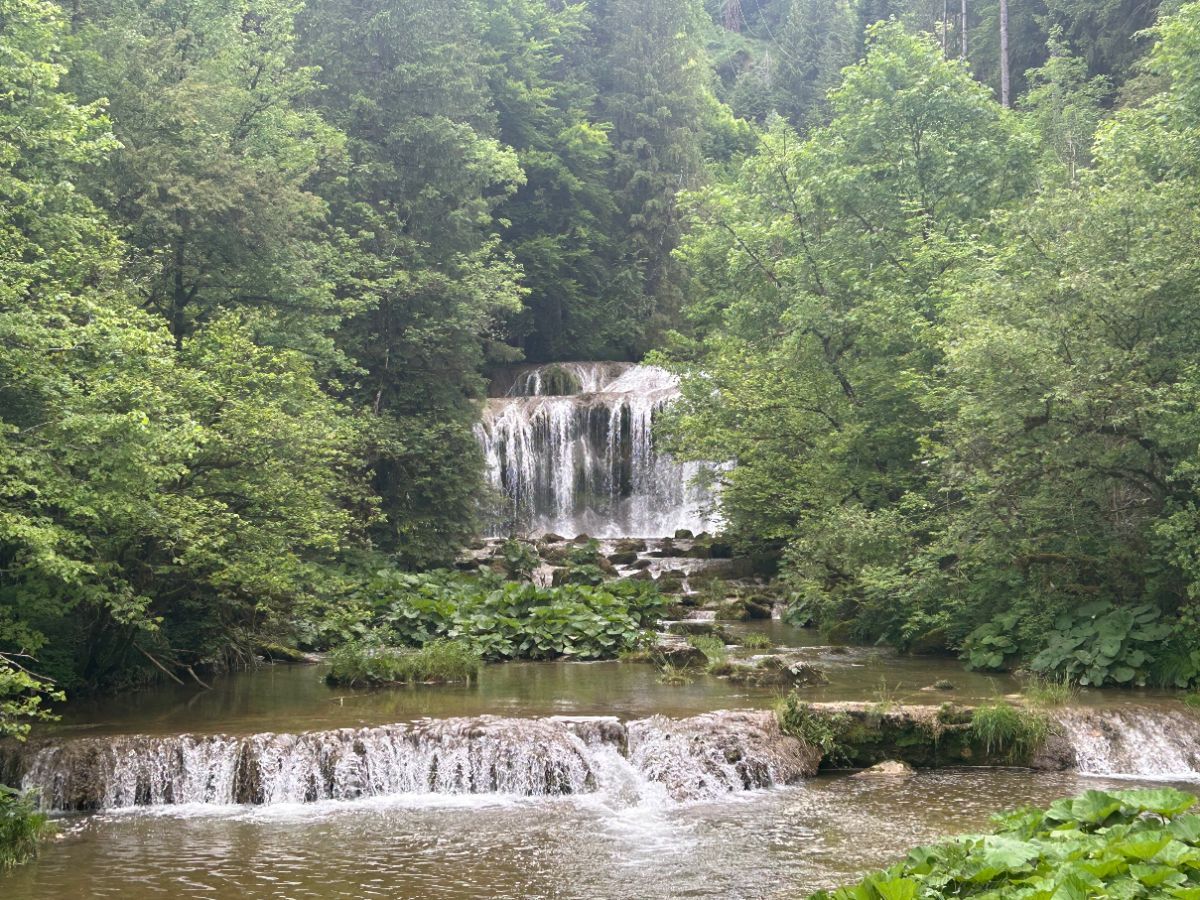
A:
x,y
676,759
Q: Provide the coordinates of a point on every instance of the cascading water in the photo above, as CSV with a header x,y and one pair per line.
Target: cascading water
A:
x,y
1137,741
570,448
686,759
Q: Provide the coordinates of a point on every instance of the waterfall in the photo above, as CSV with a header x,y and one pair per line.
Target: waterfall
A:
x,y
570,448
687,759
1135,741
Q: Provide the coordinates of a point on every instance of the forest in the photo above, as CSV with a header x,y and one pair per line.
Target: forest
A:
x,y
926,273
463,405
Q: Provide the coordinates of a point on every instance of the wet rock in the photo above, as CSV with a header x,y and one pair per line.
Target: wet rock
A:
x,y
776,671
666,550
552,538
669,584
630,545
641,564
891,768
683,534
699,550
699,626
580,539
624,558
641,575
732,611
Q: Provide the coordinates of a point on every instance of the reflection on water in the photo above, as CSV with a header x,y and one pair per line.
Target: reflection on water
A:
x,y
295,698
771,844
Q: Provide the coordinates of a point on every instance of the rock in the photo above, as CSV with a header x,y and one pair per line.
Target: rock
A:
x,y
580,539
669,585
778,671
641,564
630,545
891,768
699,626
676,651
699,550
552,538
732,611
641,575
666,550
683,534
604,565
720,550
758,608
624,558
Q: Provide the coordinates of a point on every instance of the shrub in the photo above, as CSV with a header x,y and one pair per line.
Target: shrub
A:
x,y
441,661
1047,692
797,719
756,640
1005,729
21,827
712,647
520,559
1129,844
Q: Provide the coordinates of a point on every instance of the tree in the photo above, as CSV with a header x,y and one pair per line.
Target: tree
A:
x,y
815,42
653,90
824,263
418,249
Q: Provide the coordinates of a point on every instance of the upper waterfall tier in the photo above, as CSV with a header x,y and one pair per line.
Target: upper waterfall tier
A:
x,y
570,447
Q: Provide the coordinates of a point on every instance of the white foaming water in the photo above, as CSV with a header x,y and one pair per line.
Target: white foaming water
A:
x,y
648,763
586,463
1139,742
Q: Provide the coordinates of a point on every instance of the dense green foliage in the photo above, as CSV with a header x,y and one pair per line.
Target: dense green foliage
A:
x,y
500,619
1140,843
21,827
949,349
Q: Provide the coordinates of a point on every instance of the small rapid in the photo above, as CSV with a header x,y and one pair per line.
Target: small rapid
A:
x,y
1136,742
642,761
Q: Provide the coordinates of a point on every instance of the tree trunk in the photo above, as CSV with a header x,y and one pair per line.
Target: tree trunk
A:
x,y
945,25
1004,80
964,29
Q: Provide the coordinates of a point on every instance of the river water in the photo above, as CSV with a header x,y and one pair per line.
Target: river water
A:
x,y
626,838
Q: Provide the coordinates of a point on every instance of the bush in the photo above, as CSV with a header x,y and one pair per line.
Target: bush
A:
x,y
756,640
1047,692
21,827
1103,844
713,649
1004,729
440,661
503,620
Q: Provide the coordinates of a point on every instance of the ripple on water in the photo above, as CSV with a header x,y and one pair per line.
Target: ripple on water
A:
x,y
757,845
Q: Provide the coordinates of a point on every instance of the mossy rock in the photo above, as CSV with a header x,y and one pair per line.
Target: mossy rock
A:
x,y
683,534
668,584
776,671
732,611
630,545
623,558
279,653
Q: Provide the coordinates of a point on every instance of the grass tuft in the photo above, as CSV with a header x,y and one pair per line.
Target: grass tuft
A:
x,y
440,661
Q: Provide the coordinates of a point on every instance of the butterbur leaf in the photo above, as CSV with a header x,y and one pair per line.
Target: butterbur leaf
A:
x,y
1161,801
897,889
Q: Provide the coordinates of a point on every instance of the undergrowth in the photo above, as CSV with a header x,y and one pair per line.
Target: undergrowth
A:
x,y
439,661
